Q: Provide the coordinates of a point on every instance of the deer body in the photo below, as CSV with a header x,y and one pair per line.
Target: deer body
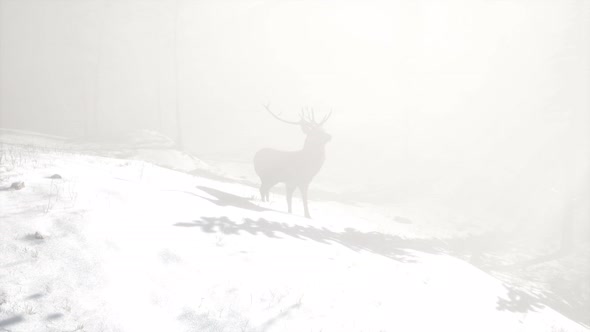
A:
x,y
294,168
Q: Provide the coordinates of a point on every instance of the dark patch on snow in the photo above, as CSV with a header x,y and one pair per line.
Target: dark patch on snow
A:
x,y
14,186
11,321
35,296
54,316
55,177
34,237
17,185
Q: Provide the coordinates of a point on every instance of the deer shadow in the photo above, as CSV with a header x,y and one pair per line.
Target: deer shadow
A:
x,y
315,193
223,199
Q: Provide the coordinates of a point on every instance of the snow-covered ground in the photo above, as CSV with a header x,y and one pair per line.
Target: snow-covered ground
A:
x,y
118,243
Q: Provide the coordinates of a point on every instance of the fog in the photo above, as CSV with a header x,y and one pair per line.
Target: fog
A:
x,y
481,108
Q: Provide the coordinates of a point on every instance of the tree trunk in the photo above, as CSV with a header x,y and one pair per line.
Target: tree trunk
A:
x,y
1,67
567,231
179,140
92,126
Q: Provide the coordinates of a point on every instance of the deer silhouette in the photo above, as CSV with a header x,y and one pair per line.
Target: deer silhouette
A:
x,y
294,168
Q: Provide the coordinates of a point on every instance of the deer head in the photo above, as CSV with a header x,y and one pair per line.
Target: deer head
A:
x,y
310,127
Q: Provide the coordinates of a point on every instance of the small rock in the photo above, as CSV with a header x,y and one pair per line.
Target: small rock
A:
x,y
17,185
38,236
55,176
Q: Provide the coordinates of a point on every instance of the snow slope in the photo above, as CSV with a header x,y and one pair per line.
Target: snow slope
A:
x,y
125,245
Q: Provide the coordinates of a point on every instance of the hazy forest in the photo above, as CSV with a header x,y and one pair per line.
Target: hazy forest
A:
x,y
440,150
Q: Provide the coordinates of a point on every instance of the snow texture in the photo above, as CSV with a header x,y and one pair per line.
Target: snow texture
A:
x,y
125,245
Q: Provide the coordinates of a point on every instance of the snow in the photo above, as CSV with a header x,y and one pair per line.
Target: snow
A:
x,y
127,245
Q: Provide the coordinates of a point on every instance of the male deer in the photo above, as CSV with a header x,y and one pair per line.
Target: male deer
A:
x,y
295,168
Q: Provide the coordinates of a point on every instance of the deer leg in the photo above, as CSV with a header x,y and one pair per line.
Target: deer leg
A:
x,y
264,189
290,190
304,198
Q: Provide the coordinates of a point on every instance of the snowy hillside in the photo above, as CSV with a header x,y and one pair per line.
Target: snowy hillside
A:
x,y
103,239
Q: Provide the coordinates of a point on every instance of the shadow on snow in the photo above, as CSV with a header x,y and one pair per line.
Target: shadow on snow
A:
x,y
473,248
387,245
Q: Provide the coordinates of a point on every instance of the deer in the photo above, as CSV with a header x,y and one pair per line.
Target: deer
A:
x,y
294,168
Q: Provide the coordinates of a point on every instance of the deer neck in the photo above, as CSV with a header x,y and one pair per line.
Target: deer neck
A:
x,y
317,150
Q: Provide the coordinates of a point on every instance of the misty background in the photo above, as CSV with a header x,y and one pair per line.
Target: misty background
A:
x,y
476,107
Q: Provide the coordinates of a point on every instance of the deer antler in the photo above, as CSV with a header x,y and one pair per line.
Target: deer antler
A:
x,y
305,115
325,118
306,118
267,106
